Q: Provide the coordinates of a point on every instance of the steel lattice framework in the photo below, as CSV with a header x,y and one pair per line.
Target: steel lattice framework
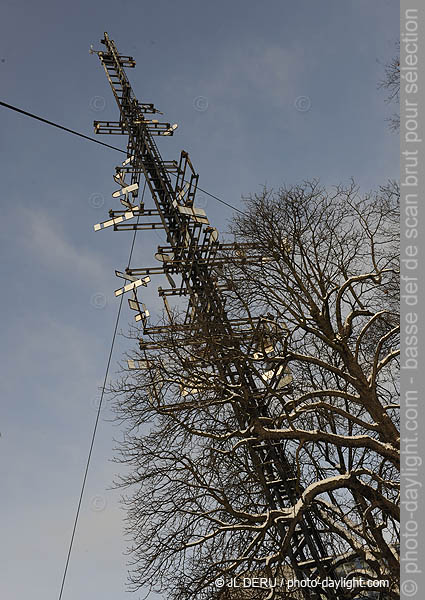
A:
x,y
193,251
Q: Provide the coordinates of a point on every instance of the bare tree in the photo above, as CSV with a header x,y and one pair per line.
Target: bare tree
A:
x,y
391,83
319,330
334,279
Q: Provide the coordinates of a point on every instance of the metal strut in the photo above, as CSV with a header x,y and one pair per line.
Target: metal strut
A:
x,y
194,261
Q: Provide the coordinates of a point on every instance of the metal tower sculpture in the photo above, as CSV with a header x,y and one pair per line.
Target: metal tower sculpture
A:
x,y
193,252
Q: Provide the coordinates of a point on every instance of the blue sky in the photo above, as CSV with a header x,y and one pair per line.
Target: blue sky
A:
x,y
249,62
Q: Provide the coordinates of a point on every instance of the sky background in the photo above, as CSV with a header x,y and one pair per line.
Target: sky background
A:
x,y
230,74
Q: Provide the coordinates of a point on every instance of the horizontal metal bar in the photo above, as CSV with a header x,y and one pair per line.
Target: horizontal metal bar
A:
x,y
138,226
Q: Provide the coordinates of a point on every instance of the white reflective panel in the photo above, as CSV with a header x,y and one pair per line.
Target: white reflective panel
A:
x,y
119,178
133,304
126,276
127,215
286,380
267,375
185,210
185,391
128,287
127,204
105,224
283,381
163,257
286,246
199,212
138,364
214,235
170,130
145,311
126,190
141,317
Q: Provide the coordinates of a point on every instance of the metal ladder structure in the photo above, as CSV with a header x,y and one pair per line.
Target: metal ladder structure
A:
x,y
193,252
